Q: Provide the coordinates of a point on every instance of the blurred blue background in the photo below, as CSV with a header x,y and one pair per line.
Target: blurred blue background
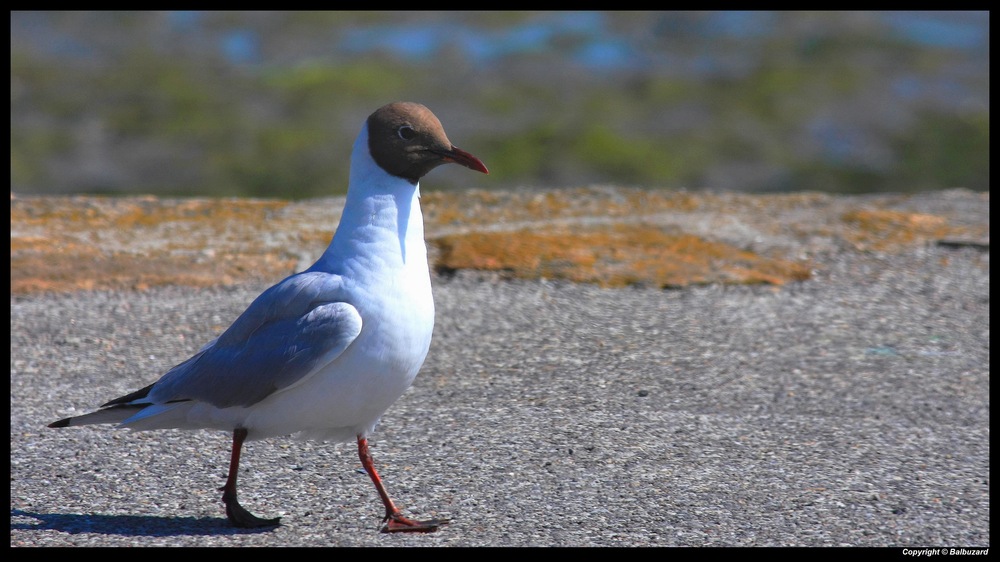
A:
x,y
267,104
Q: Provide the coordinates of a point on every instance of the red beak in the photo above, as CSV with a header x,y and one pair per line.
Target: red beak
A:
x,y
459,156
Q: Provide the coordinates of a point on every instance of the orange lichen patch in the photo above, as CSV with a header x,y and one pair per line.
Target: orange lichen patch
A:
x,y
484,207
64,271
491,208
87,243
613,256
131,215
880,230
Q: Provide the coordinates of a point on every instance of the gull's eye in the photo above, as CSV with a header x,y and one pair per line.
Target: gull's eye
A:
x,y
406,132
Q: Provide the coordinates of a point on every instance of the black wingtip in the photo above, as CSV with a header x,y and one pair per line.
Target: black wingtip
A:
x,y
61,423
141,393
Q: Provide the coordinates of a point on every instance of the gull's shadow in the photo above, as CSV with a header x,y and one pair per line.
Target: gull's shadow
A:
x,y
125,525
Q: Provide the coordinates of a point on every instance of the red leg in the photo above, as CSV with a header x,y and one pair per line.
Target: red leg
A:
x,y
394,521
238,516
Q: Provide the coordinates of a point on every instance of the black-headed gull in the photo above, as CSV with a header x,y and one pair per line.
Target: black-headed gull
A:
x,y
325,352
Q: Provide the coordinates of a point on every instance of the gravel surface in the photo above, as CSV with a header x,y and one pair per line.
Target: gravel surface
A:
x,y
852,409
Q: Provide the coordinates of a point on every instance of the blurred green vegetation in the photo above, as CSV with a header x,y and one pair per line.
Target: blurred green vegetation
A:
x,y
155,122
946,150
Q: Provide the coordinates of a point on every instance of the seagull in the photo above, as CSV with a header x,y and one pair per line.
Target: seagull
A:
x,y
325,352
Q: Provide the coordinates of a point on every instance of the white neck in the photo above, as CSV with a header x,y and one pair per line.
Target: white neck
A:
x,y
382,228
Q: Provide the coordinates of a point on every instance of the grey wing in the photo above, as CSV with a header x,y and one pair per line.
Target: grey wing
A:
x,y
284,336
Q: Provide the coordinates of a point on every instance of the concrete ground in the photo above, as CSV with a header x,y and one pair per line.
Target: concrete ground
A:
x,y
850,408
